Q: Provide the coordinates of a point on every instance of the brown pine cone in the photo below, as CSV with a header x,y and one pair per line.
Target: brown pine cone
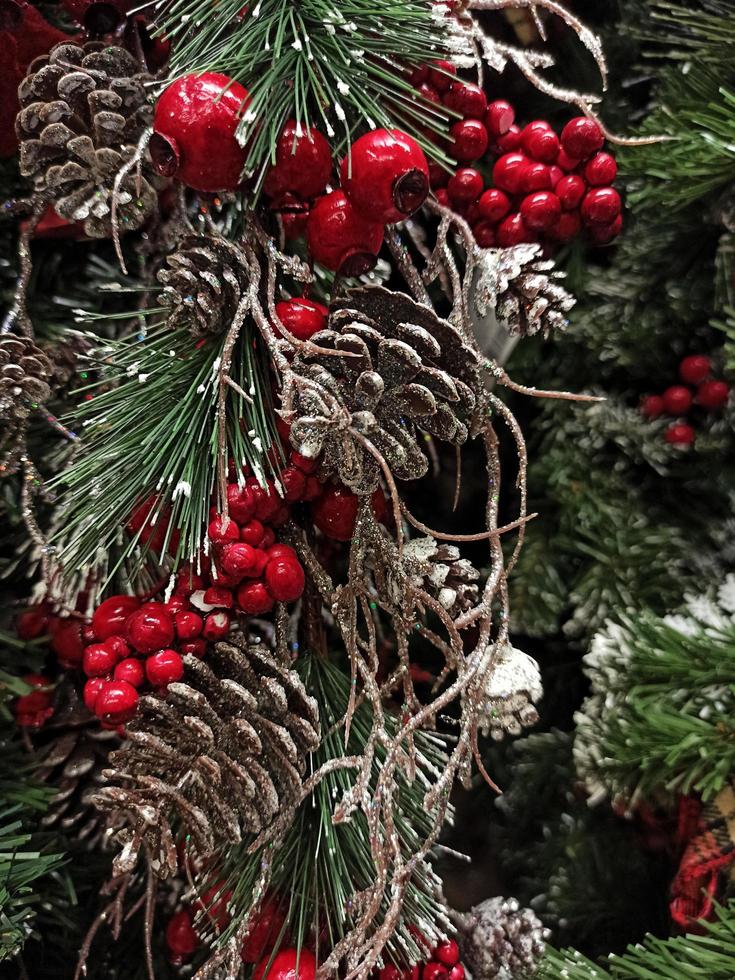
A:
x,y
499,940
438,568
83,110
24,377
202,286
221,756
412,374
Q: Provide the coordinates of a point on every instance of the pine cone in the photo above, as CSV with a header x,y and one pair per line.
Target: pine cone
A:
x,y
499,939
222,755
438,568
83,110
522,289
64,355
202,286
413,374
24,374
512,688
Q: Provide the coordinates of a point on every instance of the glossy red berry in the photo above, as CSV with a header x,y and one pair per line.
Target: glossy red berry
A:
x,y
653,406
508,172
304,463
677,400
535,177
457,972
467,99
294,217
335,513
110,616
603,234
32,622
438,176
469,140
566,162
33,710
499,117
116,703
465,186
303,163
284,579
188,624
540,210
130,670
385,175
540,142
99,660
555,174
288,964
67,643
340,238
570,190
91,692
240,503
447,952
238,559
581,137
484,232
694,369
428,92
600,169
195,648
302,317
216,625
150,628
264,932
252,533
680,434
713,395
164,668
434,971
494,204
419,74
601,205
510,141
222,530
181,937
389,972
440,75
293,482
254,599
194,132
512,231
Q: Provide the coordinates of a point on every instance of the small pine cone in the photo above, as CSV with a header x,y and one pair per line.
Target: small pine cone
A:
x,y
499,940
413,374
24,377
438,568
513,685
522,289
202,286
83,110
221,756
64,357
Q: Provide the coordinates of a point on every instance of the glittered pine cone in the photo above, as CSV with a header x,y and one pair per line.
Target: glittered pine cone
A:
x,y
410,373
438,568
83,110
202,286
499,940
513,687
24,377
222,755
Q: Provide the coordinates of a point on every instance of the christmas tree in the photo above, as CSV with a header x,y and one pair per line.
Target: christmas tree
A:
x,y
306,442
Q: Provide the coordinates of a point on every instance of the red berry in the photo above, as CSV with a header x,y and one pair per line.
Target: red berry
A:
x,y
150,628
389,972
112,614
223,529
118,645
512,231
288,964
385,175
303,162
240,502
293,482
237,559
294,222
32,622
600,169
194,132
252,533
419,74
510,141
457,972
269,538
177,603
440,75
535,177
301,317
91,691
335,513
467,99
713,395
556,174
281,551
434,971
447,952
465,186
284,579
484,232
603,234
130,670
653,406
99,660
189,624
164,667
499,118
313,488
508,172
540,210
340,238
570,190
428,92
149,524
442,197
187,582
304,463
540,142
565,162
469,140
695,368
254,599
116,702
216,625
194,648
181,937
581,137
679,434
677,400
438,176
32,710
264,932
217,595
601,205
214,903
494,204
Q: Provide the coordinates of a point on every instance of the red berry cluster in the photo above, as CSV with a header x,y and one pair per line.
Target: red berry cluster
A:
x,y
678,400
443,964
33,710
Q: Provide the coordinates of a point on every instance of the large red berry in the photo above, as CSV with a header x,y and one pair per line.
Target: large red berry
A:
x,y
509,142
465,186
604,233
494,204
264,932
240,503
680,434
223,529
302,317
335,513
216,625
539,141
252,533
581,137
713,395
447,952
288,964
111,615
499,117
284,579
440,75
340,238
67,643
653,406
188,624
91,691
164,668
484,232
567,227
130,670
434,971
118,646
512,231
293,482
385,175
254,599
570,190
535,176
601,205
677,400
194,132
508,172
467,99
181,937
540,210
116,702
695,368
469,140
457,972
600,169
238,559
303,163
150,628
99,660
